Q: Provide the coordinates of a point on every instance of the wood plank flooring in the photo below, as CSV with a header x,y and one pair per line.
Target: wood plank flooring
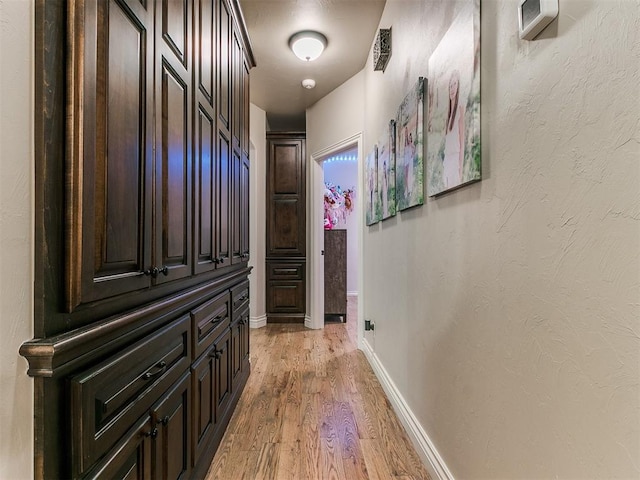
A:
x,y
313,409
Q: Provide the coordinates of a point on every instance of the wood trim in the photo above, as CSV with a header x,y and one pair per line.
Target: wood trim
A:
x,y
74,153
47,355
246,41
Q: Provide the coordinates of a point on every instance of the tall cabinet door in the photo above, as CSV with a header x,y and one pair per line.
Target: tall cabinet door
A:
x,y
206,164
286,227
173,145
108,246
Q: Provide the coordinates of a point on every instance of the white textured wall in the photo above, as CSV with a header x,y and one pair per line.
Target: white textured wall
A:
x,y
257,214
507,313
16,265
345,174
336,117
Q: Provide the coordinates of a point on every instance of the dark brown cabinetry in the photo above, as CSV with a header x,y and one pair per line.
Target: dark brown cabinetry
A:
x,y
286,227
142,169
335,273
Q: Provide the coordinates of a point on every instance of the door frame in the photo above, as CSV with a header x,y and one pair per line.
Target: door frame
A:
x,y
315,319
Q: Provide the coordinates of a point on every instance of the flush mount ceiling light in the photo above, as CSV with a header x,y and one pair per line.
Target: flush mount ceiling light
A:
x,y
308,45
308,83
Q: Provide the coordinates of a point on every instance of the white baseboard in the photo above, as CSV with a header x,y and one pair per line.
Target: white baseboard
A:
x,y
352,294
421,441
307,321
258,322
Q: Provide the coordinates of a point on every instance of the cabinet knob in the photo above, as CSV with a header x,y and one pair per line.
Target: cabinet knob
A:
x,y
165,420
164,270
216,353
153,433
152,272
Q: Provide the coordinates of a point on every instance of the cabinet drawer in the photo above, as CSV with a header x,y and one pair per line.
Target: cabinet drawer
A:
x,y
239,298
107,399
285,297
285,271
209,320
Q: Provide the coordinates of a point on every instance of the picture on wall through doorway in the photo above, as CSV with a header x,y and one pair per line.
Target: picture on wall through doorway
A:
x,y
453,117
410,149
372,200
387,171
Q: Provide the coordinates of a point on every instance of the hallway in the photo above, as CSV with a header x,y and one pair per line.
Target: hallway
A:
x,y
313,409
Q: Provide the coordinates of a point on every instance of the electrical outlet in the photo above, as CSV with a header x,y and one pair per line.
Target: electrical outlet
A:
x,y
369,325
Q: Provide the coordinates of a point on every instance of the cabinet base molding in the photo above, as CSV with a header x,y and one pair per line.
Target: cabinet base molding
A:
x,y
285,318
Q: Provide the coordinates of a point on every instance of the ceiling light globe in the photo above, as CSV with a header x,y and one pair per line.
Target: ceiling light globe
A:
x,y
308,45
308,83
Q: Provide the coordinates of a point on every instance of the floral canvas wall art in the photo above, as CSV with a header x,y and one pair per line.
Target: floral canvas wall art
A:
x,y
453,118
387,171
372,200
410,149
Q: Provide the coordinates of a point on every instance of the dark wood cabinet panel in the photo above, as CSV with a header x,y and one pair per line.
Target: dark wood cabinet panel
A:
x,y
286,227
335,272
205,40
173,170
244,207
141,201
223,221
240,209
131,459
286,207
224,65
221,353
205,189
203,418
237,214
107,398
176,28
172,420
209,320
109,245
237,89
246,108
286,168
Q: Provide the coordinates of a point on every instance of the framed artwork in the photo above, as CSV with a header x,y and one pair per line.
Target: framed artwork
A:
x,y
453,117
372,200
387,171
410,149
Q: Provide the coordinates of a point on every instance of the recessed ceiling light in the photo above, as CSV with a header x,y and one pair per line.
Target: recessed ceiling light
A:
x,y
308,83
308,45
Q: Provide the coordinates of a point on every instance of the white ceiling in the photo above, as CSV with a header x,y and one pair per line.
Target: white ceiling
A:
x,y
350,27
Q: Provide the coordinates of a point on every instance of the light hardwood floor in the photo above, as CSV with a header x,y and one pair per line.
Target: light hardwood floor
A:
x,y
313,409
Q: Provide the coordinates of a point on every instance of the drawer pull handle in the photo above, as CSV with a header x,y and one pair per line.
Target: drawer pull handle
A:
x,y
217,318
162,366
243,298
286,270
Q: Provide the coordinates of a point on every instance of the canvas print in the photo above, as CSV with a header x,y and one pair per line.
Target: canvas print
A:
x,y
453,118
387,171
372,201
410,149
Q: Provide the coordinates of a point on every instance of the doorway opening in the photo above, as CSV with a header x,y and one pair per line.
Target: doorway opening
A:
x,y
341,230
351,146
